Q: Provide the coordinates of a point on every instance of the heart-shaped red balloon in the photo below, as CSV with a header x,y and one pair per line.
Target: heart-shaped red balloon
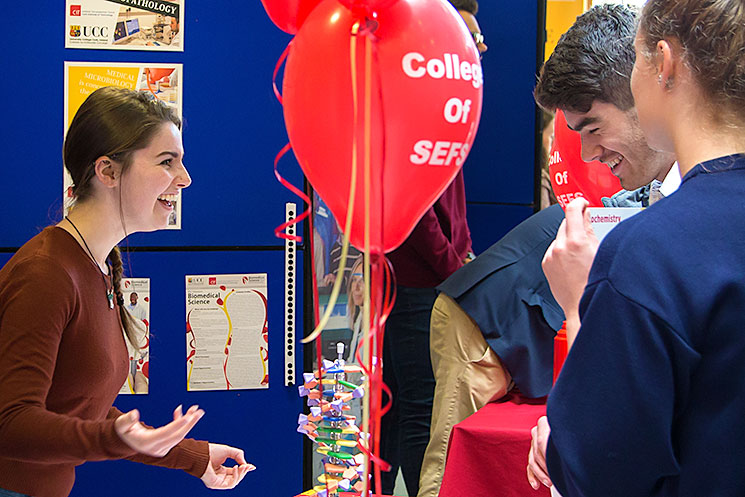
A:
x,y
425,95
289,15
572,177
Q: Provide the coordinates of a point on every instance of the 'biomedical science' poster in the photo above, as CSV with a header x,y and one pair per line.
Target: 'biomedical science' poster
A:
x,y
153,25
226,332
161,81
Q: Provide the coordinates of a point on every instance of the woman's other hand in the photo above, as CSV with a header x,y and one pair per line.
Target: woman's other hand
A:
x,y
218,476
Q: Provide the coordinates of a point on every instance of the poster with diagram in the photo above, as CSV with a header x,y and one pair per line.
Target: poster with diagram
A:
x,y
160,81
136,292
227,341
150,25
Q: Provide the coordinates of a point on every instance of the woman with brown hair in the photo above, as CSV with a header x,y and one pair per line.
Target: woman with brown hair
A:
x,y
651,397
64,357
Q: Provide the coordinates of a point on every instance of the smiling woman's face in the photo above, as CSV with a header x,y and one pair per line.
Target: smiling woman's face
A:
x,y
153,180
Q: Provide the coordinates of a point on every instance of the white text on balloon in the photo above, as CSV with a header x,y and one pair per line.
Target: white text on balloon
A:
x,y
439,153
449,67
457,110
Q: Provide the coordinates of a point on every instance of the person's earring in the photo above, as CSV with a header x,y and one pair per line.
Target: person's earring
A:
x,y
659,79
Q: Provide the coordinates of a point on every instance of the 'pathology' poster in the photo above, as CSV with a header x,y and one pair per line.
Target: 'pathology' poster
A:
x,y
154,25
162,81
226,332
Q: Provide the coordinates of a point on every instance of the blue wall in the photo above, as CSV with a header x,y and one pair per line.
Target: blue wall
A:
x,y
233,129
500,170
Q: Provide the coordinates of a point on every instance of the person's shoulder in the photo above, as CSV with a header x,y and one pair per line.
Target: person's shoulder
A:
x,y
522,248
44,256
641,253
533,230
633,237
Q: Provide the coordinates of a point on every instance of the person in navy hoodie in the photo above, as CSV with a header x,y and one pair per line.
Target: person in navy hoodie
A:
x,y
650,399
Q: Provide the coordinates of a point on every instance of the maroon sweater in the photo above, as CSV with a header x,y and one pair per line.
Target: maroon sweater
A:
x,y
62,362
439,243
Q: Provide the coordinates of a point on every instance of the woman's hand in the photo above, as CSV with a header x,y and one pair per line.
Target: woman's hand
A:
x,y
156,442
222,477
537,469
568,259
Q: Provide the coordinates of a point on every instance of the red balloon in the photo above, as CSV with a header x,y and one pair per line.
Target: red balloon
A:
x,y
426,88
289,15
572,177
367,7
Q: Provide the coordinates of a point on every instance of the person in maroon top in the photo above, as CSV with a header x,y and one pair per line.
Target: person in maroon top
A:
x,y
439,245
64,356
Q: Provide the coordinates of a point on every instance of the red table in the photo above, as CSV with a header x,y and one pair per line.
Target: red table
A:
x,y
488,451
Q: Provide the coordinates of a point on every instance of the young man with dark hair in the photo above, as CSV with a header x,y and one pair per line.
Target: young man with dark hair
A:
x,y
588,77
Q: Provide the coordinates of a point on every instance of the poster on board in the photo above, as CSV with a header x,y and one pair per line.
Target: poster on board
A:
x,y
227,344
345,322
162,81
136,292
152,25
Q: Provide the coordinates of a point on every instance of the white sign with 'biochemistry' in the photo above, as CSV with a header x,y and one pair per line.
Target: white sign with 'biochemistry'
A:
x,y
604,219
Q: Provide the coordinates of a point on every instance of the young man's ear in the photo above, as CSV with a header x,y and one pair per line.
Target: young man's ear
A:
x,y
108,171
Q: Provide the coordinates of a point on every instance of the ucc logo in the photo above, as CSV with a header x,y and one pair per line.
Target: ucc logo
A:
x,y
89,31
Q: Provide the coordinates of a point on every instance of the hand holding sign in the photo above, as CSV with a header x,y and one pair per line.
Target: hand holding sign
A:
x,y
425,95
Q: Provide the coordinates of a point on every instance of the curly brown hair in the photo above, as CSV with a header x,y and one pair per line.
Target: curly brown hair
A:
x,y
711,36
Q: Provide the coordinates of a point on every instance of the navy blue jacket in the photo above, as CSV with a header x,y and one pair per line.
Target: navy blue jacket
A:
x,y
650,401
505,292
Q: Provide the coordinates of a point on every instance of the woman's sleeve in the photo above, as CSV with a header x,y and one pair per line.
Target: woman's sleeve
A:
x,y
611,410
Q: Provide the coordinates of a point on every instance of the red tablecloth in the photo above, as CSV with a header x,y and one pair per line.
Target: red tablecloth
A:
x,y
488,451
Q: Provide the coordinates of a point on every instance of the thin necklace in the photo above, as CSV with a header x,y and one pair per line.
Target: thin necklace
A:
x,y
109,291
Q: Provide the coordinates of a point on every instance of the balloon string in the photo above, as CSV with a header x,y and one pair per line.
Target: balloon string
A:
x,y
369,405
279,231
276,70
333,297
313,274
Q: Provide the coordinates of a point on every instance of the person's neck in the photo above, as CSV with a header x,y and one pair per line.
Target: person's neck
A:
x,y
667,171
705,143
99,229
698,133
669,160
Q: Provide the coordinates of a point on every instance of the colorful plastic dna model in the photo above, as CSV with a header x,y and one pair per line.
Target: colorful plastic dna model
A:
x,y
335,432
